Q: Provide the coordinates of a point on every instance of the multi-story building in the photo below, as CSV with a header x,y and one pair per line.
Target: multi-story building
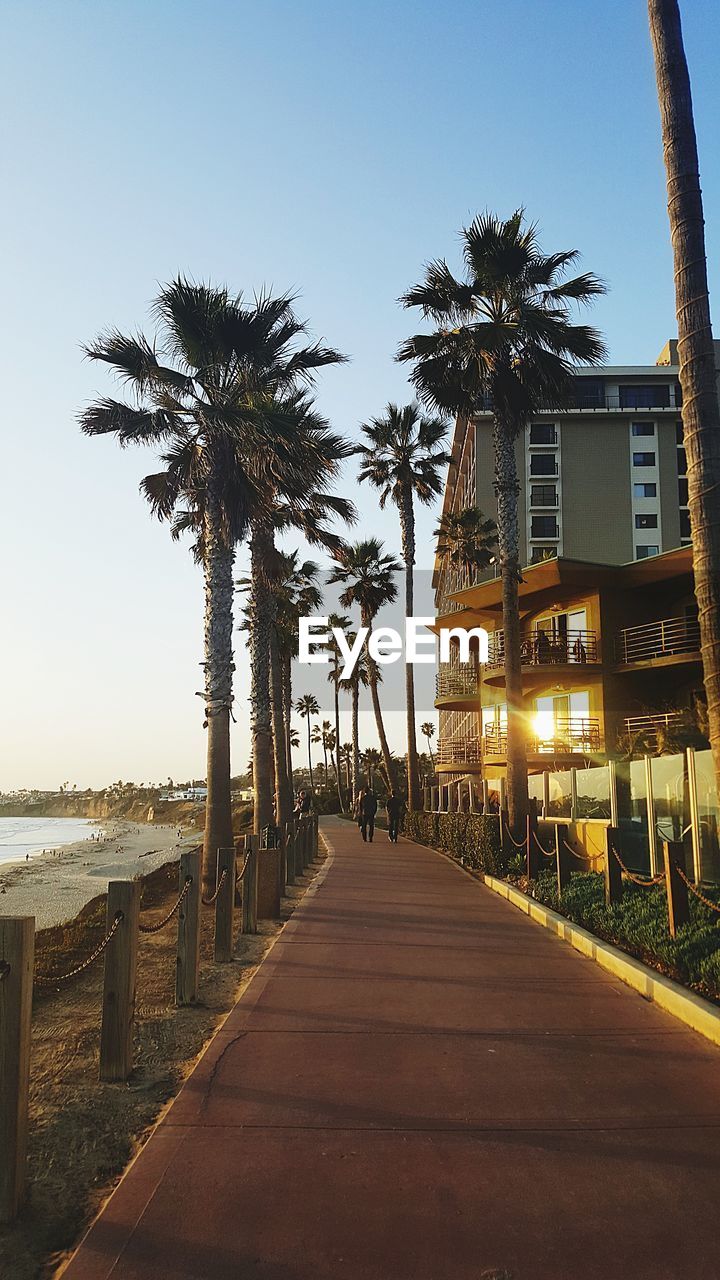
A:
x,y
611,647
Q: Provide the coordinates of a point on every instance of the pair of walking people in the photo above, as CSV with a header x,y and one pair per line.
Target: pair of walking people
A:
x,y
366,809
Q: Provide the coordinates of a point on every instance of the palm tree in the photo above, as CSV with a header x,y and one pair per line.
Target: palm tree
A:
x,y
466,541
504,339
210,410
346,756
337,622
297,595
428,731
360,678
700,410
403,458
368,575
308,706
371,760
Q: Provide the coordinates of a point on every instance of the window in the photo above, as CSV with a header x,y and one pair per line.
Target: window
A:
x,y
588,393
542,553
544,527
685,524
683,491
645,490
682,462
643,459
642,553
643,428
679,437
647,397
543,495
543,464
543,433
646,522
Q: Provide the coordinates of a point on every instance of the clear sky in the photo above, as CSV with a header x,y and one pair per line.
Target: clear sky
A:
x,y
318,145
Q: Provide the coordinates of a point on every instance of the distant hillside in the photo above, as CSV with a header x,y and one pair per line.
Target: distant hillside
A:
x,y
132,808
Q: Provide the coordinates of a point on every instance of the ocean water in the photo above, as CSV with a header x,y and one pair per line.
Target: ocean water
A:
x,y
22,836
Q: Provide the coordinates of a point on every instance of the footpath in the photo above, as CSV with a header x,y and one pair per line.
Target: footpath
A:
x,y
420,1083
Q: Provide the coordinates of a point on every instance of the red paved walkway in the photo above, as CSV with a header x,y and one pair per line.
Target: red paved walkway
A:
x,y
422,1084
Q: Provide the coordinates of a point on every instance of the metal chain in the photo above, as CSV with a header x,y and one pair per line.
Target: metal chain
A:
x,y
694,889
155,928
44,980
241,874
644,884
207,902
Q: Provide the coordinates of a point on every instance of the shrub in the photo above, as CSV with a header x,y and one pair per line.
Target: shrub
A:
x,y
470,838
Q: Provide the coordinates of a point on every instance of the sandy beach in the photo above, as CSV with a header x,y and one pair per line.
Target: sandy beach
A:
x,y
54,886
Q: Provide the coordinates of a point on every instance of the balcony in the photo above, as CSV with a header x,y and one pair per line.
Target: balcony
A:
x,y
670,638
631,398
568,737
576,648
460,751
457,683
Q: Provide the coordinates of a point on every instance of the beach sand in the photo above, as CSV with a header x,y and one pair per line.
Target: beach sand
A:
x,y
55,885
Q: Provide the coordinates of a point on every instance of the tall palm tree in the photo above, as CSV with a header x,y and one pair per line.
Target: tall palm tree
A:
x,y
371,760
505,339
308,706
700,410
297,595
467,541
203,394
337,622
368,575
346,755
404,459
360,678
428,732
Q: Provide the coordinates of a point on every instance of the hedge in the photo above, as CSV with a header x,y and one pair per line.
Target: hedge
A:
x,y
470,838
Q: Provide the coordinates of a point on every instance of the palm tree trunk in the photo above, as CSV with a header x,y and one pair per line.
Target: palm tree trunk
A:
x,y
287,711
507,490
407,530
218,629
283,785
384,748
312,784
355,740
260,614
700,409
336,691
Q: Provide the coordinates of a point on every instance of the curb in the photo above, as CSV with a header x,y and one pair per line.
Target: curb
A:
x,y
686,1006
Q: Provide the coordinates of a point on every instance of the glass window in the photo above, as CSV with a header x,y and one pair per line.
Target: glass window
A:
x,y
542,433
646,522
679,437
543,495
643,428
682,462
643,490
643,459
645,397
685,524
543,464
643,553
544,527
588,393
542,553
683,491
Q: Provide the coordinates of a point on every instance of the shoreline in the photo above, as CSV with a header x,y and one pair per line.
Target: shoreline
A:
x,y
55,884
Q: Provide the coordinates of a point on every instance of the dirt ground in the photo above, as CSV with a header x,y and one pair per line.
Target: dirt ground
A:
x,y
83,1133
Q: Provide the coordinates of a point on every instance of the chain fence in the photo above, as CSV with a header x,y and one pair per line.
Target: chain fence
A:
x,y
155,928
207,902
698,892
47,980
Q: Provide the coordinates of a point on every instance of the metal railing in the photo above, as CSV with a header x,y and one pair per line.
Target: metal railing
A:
x,y
460,751
601,400
649,725
658,640
457,682
566,736
539,649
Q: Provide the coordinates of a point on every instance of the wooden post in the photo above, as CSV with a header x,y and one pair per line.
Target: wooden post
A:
x,y
532,853
316,835
188,943
507,848
290,853
249,902
224,906
677,893
613,870
562,858
17,948
118,1005
268,883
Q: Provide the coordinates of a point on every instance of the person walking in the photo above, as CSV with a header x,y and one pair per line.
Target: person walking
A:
x,y
394,808
368,809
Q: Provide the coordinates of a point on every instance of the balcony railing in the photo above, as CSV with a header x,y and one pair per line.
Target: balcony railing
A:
x,y
658,640
456,683
459,751
630,399
541,650
648,726
565,737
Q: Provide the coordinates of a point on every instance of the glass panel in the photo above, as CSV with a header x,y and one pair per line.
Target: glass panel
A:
x,y
709,814
672,811
634,846
593,793
535,788
560,797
